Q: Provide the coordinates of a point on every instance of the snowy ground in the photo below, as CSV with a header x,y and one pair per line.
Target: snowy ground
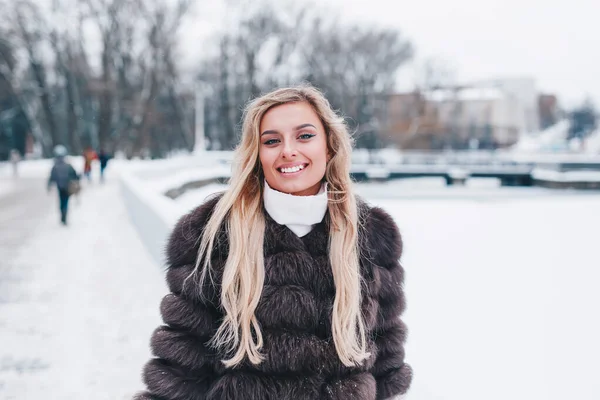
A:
x,y
502,297
6,186
501,287
78,305
592,143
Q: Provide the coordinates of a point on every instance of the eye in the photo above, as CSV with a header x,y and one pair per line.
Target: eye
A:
x,y
306,136
270,142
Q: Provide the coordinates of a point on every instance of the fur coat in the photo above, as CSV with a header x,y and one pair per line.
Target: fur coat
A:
x,y
294,312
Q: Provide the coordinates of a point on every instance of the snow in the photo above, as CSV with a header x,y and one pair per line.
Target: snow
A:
x,y
501,286
502,297
144,184
375,172
193,198
184,175
568,176
79,306
152,214
458,173
6,186
553,138
592,143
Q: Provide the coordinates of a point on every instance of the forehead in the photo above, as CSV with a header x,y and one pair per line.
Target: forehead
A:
x,y
288,116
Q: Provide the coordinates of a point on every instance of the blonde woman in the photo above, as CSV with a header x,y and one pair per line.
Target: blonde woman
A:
x,y
285,286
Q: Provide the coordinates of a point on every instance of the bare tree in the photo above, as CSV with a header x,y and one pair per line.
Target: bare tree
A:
x,y
30,28
251,58
435,73
163,26
137,66
355,66
12,81
65,67
135,100
108,17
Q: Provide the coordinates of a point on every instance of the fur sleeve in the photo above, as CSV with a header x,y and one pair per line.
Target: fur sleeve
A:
x,y
185,366
385,246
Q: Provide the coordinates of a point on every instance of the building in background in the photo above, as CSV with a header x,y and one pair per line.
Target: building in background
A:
x,y
523,93
409,121
549,111
486,114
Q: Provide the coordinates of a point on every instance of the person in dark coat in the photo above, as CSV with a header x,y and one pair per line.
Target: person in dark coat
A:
x,y
286,286
62,175
103,158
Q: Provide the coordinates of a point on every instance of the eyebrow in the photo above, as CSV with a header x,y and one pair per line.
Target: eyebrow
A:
x,y
271,131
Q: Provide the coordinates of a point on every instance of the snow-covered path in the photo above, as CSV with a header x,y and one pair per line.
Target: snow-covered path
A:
x,y
22,205
78,305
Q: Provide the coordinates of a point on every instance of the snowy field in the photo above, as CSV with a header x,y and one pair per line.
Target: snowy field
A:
x,y
501,288
502,296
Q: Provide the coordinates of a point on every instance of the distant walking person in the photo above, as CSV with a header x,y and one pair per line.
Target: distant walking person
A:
x,y
103,158
15,157
89,155
65,178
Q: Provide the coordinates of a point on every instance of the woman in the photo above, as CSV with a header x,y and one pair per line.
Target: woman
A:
x,y
285,286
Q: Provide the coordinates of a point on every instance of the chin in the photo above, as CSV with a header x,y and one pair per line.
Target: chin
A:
x,y
289,189
297,188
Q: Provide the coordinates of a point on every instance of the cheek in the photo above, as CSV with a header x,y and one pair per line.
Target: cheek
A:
x,y
267,159
319,153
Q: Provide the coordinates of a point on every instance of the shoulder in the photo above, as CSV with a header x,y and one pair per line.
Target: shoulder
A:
x,y
380,234
184,240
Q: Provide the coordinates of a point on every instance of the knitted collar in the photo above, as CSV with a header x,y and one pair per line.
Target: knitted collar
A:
x,y
298,213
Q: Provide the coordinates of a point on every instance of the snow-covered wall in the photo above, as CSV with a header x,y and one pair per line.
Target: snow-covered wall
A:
x,y
144,183
152,214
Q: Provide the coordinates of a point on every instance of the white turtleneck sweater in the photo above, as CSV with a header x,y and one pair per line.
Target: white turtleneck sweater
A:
x,y
299,213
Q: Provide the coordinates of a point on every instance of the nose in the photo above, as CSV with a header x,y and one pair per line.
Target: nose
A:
x,y
289,150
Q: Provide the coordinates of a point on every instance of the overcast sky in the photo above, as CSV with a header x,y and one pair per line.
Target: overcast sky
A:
x,y
555,41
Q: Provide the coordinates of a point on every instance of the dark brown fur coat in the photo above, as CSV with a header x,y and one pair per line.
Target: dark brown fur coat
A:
x,y
294,312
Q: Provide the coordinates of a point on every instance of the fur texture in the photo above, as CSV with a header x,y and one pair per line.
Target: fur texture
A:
x,y
294,312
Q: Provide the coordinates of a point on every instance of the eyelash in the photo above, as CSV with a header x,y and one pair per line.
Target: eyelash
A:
x,y
272,141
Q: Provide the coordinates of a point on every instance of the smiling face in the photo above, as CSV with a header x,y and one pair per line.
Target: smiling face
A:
x,y
293,149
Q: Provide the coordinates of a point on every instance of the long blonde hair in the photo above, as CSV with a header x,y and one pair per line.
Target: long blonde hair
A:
x,y
241,207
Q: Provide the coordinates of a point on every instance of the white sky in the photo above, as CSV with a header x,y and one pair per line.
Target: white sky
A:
x,y
555,41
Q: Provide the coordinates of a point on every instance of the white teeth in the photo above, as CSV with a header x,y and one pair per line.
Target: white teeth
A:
x,y
292,169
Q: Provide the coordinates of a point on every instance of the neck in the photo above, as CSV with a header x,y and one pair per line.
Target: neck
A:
x,y
299,213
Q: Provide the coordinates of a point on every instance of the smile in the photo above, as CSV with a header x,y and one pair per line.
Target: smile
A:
x,y
292,170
